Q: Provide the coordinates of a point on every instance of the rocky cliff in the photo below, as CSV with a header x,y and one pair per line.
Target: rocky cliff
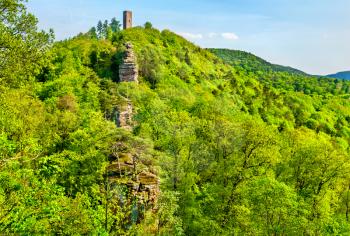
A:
x,y
127,169
124,116
128,71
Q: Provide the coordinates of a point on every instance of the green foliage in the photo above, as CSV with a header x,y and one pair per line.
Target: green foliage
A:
x,y
104,30
243,148
115,25
230,143
93,33
275,209
148,25
250,62
290,98
22,47
281,77
100,29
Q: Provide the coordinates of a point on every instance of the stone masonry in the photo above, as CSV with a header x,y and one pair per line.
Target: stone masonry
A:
x,y
127,19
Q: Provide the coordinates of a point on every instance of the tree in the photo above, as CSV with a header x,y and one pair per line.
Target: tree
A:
x,y
99,29
317,166
105,28
93,33
115,25
148,25
274,208
22,46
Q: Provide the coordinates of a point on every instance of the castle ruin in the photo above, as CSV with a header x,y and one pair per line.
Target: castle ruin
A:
x,y
127,19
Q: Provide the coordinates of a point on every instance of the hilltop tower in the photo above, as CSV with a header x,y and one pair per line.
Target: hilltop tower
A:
x,y
127,19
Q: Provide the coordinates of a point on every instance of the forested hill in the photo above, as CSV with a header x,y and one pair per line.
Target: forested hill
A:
x,y
232,151
249,61
341,75
280,76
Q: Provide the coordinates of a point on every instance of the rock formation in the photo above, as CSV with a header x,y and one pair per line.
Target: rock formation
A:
x,y
128,170
128,71
124,116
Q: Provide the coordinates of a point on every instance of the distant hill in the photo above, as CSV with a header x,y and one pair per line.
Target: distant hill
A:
x,y
341,75
282,77
251,62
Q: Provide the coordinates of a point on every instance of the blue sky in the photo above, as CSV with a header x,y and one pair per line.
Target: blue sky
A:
x,y
311,35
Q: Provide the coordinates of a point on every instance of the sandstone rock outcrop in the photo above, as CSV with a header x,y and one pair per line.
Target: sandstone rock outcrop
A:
x,y
124,116
128,169
128,70
125,169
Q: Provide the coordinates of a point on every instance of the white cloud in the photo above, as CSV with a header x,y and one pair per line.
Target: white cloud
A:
x,y
191,35
211,35
230,36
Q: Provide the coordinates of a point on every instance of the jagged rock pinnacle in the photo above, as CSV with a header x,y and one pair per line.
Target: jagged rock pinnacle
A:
x,y
128,71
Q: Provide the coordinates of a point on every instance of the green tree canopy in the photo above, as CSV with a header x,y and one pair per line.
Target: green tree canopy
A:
x,y
22,46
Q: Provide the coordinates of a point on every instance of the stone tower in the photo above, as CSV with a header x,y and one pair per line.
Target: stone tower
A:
x,y
127,19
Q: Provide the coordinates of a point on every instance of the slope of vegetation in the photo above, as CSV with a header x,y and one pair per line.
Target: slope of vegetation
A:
x,y
249,61
238,151
280,76
341,75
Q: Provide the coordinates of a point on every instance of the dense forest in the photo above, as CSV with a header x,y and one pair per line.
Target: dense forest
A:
x,y
251,62
240,146
341,75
